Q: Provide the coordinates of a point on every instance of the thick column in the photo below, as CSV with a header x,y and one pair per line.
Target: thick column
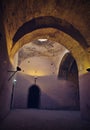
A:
x,y
5,89
84,83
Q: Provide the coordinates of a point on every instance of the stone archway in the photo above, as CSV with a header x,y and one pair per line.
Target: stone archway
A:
x,y
46,22
68,70
54,29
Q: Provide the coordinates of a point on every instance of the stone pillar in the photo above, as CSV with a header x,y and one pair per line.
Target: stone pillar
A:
x,y
5,86
84,84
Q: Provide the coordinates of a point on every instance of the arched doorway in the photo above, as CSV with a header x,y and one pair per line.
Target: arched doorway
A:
x,y
33,97
58,25
68,70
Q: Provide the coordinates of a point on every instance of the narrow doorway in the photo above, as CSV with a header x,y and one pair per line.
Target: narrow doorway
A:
x,y
33,97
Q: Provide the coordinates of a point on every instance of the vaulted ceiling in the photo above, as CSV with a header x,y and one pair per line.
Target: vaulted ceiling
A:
x,y
40,57
59,21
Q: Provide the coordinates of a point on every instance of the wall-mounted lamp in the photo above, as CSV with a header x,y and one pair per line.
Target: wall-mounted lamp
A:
x,y
17,69
88,69
35,79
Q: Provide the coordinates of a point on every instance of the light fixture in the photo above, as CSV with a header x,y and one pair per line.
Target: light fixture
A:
x,y
88,69
14,80
35,79
17,69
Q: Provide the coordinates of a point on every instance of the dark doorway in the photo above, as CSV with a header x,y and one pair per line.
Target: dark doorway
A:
x,y
33,97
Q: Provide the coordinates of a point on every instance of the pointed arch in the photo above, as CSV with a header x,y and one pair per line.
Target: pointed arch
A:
x,y
33,97
68,69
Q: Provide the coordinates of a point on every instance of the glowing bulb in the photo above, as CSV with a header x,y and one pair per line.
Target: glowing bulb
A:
x,y
14,80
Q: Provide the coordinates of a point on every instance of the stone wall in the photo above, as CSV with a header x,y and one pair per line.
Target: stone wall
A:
x,y
54,94
84,83
5,86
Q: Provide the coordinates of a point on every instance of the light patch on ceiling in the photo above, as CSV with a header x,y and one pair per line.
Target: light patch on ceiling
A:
x,y
38,66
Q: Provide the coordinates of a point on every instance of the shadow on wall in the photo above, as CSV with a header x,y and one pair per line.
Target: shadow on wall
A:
x,y
33,97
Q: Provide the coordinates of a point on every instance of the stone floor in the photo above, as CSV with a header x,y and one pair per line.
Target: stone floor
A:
x,y
32,119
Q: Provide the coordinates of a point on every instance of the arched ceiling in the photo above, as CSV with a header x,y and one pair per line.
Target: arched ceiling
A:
x,y
57,36
70,15
46,22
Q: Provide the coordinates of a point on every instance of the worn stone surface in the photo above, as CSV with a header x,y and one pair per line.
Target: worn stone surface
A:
x,y
76,13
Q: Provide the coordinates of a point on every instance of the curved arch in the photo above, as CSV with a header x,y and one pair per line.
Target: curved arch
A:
x,y
58,36
33,96
47,22
68,69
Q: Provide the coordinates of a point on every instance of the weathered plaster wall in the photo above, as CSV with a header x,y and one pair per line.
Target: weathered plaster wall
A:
x,y
55,94
84,83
